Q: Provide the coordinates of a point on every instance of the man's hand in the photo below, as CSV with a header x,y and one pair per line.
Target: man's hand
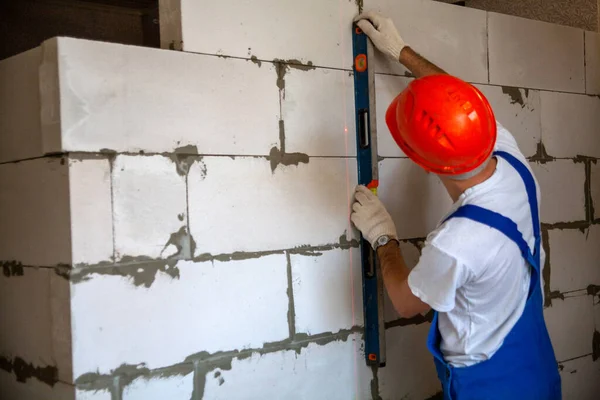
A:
x,y
382,33
370,216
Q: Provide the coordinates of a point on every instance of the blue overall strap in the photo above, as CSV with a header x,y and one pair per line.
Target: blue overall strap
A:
x,y
504,376
506,225
531,190
499,222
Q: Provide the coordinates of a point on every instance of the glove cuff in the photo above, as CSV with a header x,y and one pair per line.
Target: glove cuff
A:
x,y
385,230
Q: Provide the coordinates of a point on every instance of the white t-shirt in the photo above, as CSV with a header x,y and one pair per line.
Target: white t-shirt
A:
x,y
473,275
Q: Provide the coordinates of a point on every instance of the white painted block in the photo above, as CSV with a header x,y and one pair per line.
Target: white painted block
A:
x,y
313,30
454,38
570,323
33,389
20,131
91,209
149,202
318,111
92,395
34,212
535,54
409,372
207,308
562,188
416,200
327,291
595,188
335,370
411,255
387,87
127,98
574,258
30,334
519,111
570,124
592,62
579,379
288,207
174,387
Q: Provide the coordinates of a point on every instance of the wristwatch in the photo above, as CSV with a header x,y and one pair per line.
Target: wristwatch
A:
x,y
381,241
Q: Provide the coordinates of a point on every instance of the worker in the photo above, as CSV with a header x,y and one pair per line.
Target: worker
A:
x,y
480,269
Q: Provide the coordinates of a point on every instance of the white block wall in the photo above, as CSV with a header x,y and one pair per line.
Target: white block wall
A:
x,y
201,201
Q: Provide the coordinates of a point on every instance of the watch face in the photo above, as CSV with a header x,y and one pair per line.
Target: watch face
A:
x,y
383,240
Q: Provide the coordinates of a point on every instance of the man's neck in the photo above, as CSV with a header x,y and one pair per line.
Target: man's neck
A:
x,y
456,188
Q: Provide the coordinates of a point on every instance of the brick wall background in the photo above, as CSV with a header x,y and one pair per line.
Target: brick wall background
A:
x,y
176,224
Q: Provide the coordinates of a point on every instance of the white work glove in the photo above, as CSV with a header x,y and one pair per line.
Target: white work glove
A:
x,y
382,33
370,216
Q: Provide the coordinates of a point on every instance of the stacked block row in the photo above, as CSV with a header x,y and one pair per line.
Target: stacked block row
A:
x,y
236,251
478,46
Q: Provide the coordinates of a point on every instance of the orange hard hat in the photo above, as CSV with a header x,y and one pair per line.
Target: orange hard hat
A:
x,y
443,124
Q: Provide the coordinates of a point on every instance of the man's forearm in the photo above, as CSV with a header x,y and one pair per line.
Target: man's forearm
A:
x,y
392,264
395,278
418,65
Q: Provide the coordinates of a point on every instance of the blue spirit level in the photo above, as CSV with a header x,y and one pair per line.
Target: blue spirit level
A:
x,y
366,150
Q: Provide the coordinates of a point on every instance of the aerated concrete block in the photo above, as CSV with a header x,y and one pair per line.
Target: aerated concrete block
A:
x,y
34,303
574,258
332,370
312,31
569,124
90,209
34,212
149,201
519,111
20,126
172,387
252,204
103,97
318,112
579,378
562,186
406,345
416,200
191,306
570,323
387,87
535,54
452,37
327,289
592,62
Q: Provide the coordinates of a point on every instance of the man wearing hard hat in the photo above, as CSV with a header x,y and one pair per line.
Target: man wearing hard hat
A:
x,y
480,269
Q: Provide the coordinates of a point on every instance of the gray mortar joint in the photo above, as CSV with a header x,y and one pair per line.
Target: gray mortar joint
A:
x,y
23,370
12,268
278,156
142,270
515,95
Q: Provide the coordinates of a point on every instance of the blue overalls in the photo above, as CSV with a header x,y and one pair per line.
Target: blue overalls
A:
x,y
524,368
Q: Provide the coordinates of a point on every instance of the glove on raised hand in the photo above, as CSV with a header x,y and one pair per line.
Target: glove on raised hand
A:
x,y
382,33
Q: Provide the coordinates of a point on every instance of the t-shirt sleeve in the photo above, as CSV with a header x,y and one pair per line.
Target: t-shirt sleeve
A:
x,y
436,277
